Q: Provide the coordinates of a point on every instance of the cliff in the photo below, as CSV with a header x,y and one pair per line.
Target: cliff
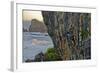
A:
x,y
25,30
37,26
66,30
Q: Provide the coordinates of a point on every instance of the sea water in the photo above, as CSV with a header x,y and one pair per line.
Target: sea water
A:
x,y
34,43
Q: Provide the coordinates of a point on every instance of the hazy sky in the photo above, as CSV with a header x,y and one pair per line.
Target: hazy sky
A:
x,y
29,15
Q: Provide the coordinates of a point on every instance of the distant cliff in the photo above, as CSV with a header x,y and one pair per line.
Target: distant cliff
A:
x,y
25,30
37,26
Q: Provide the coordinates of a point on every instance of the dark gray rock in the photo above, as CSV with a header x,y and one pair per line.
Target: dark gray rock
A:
x,y
39,57
37,26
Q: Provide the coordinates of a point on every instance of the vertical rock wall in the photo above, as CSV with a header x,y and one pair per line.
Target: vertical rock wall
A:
x,y
65,30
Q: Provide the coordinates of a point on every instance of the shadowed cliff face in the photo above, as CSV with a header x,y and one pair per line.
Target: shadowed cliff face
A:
x,y
37,26
65,29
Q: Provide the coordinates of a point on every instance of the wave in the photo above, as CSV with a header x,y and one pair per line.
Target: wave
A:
x,y
39,42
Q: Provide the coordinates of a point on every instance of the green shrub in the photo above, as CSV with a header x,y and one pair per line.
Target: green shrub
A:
x,y
52,55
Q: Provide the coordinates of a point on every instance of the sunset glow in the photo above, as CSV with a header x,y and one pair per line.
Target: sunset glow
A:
x,y
29,15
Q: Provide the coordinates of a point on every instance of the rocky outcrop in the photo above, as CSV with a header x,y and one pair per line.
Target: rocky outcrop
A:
x,y
25,30
39,57
37,26
65,29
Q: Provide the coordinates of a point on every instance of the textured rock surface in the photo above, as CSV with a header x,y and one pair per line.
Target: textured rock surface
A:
x,y
25,30
37,26
65,29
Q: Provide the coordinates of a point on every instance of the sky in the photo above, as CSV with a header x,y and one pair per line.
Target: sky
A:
x,y
28,15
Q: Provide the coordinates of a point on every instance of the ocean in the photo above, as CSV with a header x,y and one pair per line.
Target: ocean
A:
x,y
34,43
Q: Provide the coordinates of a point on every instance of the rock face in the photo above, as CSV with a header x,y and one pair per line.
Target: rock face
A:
x,y
39,57
25,30
65,29
37,26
